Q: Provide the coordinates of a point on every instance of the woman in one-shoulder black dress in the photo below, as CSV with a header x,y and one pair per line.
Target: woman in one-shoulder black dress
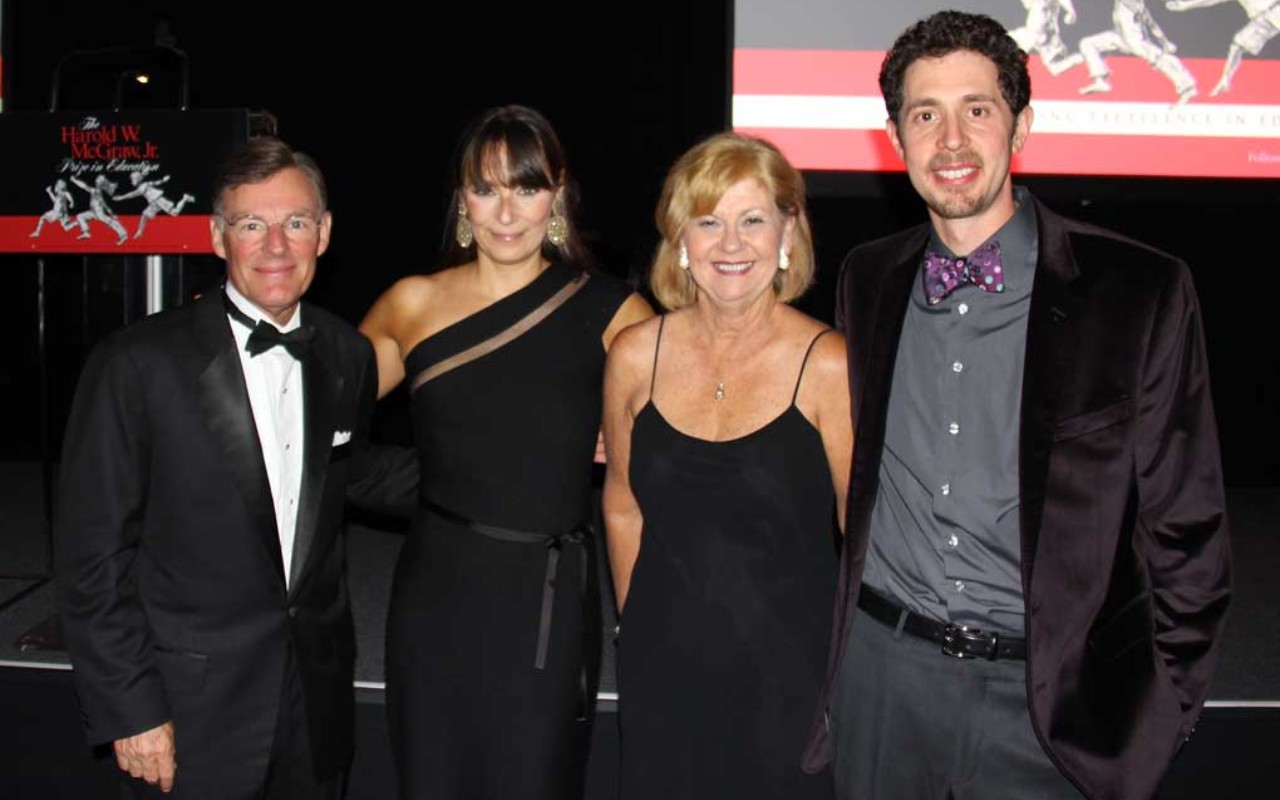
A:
x,y
493,629
729,439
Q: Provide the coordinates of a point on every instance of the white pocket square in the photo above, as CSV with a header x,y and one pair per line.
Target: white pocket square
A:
x,y
341,437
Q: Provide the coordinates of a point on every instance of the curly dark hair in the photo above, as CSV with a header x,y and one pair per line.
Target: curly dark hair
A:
x,y
945,32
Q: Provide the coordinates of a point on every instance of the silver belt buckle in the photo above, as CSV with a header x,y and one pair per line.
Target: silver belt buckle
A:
x,y
961,641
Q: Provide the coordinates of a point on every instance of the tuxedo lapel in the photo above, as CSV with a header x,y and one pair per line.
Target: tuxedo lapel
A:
x,y
873,381
224,398
1048,364
877,296
321,386
892,301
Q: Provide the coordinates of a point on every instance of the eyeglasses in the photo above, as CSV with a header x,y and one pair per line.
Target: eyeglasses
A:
x,y
296,228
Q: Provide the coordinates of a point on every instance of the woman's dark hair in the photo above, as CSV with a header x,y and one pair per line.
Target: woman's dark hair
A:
x,y
534,160
946,32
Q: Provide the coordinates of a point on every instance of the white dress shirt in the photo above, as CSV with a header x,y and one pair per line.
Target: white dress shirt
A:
x,y
274,379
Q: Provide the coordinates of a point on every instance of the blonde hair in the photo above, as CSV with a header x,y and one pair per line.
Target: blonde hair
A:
x,y
694,187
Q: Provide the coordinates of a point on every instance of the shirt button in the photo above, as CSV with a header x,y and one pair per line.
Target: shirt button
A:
x,y
285,390
957,367
959,586
953,428
946,489
953,540
963,308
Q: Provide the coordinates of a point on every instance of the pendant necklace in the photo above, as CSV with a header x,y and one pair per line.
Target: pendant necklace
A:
x,y
720,390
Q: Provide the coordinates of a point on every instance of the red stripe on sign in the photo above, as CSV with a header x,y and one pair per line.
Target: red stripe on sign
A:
x,y
1163,156
1257,82
1048,154
183,234
856,73
815,72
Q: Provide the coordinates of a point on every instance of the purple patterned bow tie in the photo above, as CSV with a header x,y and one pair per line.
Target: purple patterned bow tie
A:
x,y
942,274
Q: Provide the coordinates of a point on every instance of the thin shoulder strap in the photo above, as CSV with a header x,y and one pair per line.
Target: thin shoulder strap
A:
x,y
519,328
804,363
653,375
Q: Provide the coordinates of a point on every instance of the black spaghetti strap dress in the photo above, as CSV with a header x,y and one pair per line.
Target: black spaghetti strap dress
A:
x,y
724,637
493,628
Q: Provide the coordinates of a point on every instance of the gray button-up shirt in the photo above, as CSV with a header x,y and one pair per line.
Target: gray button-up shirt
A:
x,y
945,531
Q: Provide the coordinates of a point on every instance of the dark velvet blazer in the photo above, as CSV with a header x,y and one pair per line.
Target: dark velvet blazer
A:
x,y
171,585
1125,554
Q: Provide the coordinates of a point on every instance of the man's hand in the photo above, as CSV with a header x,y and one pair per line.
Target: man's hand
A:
x,y
149,755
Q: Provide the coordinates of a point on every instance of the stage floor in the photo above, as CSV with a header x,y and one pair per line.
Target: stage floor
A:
x,y
1230,758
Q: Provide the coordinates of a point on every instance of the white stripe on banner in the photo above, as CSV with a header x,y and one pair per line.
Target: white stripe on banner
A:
x,y
1051,116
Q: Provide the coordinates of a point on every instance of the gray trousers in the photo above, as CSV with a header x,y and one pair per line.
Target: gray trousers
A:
x,y
910,723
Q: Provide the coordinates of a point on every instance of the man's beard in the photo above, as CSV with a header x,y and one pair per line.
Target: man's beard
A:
x,y
951,206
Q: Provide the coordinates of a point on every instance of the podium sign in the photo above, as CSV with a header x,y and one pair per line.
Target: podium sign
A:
x,y
112,181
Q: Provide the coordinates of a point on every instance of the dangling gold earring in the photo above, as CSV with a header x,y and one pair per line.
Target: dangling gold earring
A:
x,y
558,225
463,232
784,260
684,257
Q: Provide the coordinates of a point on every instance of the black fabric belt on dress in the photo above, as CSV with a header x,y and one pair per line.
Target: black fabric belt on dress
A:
x,y
553,542
958,641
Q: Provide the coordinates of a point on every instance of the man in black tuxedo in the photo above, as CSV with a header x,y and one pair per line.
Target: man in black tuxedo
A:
x,y
1037,567
199,556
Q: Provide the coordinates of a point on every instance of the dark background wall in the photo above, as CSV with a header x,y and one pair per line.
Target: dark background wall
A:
x,y
378,93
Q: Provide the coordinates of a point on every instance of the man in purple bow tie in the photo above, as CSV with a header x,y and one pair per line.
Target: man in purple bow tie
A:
x,y
1036,568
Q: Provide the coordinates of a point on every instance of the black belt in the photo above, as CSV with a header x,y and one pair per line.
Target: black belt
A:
x,y
553,543
958,641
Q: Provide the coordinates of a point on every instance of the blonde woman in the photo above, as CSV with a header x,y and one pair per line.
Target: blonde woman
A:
x,y
728,432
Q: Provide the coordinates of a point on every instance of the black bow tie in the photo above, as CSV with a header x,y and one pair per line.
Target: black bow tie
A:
x,y
266,336
263,335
